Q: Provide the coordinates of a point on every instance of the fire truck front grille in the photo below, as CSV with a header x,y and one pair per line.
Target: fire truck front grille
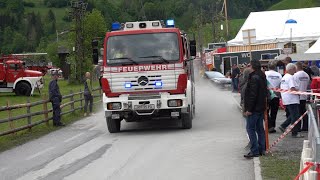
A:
x,y
143,81
144,96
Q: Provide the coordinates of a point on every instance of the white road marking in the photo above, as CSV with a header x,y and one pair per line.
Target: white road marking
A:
x,y
68,158
93,128
73,137
39,153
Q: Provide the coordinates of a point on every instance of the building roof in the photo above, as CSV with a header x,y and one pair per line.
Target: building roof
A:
x,y
271,26
315,49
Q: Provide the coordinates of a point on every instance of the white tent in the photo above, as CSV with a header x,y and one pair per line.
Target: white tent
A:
x,y
315,49
271,26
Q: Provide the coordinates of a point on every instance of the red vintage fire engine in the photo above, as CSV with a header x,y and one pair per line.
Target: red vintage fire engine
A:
x,y
147,73
14,77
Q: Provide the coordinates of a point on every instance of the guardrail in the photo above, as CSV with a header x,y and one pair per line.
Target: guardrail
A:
x,y
311,147
72,103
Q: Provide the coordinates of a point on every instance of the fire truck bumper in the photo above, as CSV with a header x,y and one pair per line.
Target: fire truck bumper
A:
x,y
135,108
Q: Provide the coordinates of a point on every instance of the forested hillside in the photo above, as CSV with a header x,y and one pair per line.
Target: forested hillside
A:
x,y
33,25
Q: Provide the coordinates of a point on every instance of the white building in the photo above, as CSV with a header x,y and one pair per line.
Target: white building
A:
x,y
272,31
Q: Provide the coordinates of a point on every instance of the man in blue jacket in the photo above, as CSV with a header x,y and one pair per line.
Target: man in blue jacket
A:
x,y
55,98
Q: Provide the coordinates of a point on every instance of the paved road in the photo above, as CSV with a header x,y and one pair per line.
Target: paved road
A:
x,y
212,149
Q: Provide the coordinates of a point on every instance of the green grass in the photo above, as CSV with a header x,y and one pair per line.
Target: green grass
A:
x,y
293,4
278,167
21,137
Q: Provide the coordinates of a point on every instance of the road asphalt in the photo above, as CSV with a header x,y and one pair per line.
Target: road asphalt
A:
x,y
153,150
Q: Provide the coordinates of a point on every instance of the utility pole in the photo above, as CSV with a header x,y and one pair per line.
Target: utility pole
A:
x,y
213,22
226,16
78,11
144,17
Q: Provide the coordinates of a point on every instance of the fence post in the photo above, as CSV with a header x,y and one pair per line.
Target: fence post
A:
x,y
28,112
72,100
45,109
11,124
81,100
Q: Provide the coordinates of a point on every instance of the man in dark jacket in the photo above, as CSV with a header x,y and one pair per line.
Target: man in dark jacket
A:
x,y
55,98
235,77
255,105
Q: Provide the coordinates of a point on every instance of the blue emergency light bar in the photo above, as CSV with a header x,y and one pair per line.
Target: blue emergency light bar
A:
x,y
170,23
115,26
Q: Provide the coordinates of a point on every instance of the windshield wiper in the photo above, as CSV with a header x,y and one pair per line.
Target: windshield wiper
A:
x,y
159,57
126,58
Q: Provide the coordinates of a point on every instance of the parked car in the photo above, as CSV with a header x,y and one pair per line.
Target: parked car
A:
x,y
218,78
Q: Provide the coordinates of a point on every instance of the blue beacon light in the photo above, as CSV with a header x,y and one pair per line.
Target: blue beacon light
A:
x,y
170,23
115,26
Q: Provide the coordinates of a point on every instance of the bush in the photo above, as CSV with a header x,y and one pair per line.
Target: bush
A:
x,y
28,4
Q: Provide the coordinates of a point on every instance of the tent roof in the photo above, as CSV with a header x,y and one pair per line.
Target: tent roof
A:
x,y
271,26
300,57
314,48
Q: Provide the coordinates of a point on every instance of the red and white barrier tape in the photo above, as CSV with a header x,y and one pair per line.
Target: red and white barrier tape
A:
x,y
286,132
294,92
309,165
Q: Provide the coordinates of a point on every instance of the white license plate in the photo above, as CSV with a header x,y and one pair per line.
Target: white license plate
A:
x,y
144,106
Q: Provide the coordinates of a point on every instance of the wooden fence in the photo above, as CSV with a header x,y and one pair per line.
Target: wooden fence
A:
x,y
72,98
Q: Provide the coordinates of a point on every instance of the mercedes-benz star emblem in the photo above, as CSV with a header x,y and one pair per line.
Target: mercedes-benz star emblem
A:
x,y
143,80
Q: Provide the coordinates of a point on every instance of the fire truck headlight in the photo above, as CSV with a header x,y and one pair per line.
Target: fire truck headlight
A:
x,y
158,84
170,23
175,103
114,106
128,85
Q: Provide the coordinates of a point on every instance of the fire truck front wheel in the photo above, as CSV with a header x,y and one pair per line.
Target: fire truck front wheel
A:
x,y
113,125
23,89
186,119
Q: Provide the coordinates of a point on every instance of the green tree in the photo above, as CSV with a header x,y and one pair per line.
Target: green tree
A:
x,y
49,23
94,27
19,42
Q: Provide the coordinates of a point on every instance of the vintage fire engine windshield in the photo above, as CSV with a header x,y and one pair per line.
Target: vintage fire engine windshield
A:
x,y
156,48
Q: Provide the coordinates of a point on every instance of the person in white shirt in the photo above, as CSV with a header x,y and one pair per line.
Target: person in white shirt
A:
x,y
274,80
291,101
303,80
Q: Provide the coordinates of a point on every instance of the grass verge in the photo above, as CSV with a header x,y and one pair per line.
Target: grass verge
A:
x,y
280,166
9,141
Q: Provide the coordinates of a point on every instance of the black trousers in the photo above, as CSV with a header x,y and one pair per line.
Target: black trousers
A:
x,y
273,111
56,117
302,109
88,100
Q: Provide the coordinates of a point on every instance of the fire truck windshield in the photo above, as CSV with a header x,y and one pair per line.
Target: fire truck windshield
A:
x,y
157,48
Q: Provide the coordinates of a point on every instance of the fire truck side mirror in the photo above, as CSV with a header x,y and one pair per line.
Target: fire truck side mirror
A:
x,y
94,43
193,48
95,51
95,56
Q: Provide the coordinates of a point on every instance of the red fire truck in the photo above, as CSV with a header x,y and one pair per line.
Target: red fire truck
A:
x,y
147,73
14,77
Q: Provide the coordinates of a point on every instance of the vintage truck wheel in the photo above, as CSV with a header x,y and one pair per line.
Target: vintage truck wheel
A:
x,y
23,89
114,125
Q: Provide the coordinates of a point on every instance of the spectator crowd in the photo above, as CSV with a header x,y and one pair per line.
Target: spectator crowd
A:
x,y
256,85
